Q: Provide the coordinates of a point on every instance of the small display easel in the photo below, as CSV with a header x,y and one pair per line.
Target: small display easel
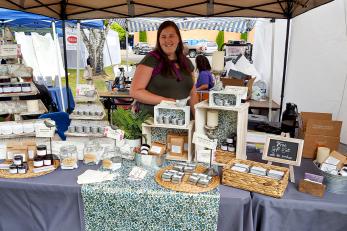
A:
x,y
285,150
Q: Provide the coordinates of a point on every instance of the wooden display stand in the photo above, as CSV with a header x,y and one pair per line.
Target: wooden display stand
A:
x,y
147,131
241,126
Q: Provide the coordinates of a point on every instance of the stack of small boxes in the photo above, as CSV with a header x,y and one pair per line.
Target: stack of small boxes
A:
x,y
179,170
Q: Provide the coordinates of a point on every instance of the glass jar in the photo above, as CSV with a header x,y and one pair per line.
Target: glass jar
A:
x,y
92,153
68,157
112,158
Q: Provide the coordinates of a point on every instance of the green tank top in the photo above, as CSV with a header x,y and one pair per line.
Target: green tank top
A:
x,y
166,86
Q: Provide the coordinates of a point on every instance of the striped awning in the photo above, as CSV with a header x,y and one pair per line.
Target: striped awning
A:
x,y
239,25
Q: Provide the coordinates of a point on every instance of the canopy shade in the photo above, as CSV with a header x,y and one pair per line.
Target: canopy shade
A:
x,y
85,9
239,25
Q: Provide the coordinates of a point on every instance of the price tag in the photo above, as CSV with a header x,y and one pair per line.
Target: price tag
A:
x,y
43,131
203,141
114,134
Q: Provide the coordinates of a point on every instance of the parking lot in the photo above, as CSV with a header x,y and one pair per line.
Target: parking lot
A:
x,y
133,58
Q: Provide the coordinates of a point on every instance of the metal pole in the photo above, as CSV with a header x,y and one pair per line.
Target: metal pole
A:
x,y
284,65
271,70
78,52
64,17
56,44
126,47
66,71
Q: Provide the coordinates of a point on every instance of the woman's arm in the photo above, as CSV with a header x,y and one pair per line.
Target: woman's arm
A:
x,y
193,100
139,83
203,87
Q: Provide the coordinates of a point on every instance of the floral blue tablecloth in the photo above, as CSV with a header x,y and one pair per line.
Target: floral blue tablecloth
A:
x,y
123,204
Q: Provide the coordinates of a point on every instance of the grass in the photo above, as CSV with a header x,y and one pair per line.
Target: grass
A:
x,y
99,81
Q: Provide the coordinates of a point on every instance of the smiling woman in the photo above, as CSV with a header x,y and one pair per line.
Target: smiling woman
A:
x,y
165,73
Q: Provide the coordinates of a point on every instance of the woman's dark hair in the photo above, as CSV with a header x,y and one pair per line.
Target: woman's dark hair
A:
x,y
202,63
182,60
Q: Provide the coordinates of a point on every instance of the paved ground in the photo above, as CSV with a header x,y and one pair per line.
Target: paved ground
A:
x,y
137,58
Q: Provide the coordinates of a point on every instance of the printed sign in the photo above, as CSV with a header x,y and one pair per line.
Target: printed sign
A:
x,y
283,150
203,141
71,39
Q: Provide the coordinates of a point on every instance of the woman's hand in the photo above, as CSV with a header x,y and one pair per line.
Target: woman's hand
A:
x,y
139,83
193,100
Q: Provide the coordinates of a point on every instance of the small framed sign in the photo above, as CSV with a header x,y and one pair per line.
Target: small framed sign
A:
x,y
283,150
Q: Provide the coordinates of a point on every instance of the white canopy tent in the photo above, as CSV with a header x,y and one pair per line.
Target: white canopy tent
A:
x,y
316,75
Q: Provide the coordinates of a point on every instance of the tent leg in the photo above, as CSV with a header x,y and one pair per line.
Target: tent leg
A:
x,y
284,66
66,71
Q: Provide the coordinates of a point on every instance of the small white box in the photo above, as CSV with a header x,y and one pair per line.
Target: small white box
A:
x,y
225,98
170,114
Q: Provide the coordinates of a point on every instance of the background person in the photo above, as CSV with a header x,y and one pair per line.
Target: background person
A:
x,y
205,79
165,73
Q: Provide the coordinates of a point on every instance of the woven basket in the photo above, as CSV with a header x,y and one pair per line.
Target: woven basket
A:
x,y
254,183
224,157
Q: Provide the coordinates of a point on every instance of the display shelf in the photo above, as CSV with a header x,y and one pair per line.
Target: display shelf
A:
x,y
84,99
22,135
75,134
85,117
42,108
33,91
231,119
147,131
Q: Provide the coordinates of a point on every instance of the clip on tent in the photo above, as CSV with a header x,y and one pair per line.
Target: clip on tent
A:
x,y
85,9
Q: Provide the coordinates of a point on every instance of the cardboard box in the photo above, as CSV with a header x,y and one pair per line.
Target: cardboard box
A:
x,y
305,116
312,142
340,157
324,128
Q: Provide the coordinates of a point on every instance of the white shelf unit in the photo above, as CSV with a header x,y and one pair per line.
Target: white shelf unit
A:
x,y
241,126
147,131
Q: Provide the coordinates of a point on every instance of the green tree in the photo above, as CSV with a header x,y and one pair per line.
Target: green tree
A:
x,y
244,36
119,29
220,39
143,36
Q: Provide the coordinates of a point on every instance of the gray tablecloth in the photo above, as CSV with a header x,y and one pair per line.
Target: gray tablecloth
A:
x,y
300,211
49,203
235,210
53,203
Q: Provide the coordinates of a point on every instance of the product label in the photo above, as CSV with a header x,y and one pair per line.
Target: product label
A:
x,y
176,149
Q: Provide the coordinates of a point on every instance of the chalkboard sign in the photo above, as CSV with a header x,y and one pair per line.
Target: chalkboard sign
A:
x,y
283,150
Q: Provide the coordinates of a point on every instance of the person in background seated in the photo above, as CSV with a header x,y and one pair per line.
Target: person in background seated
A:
x,y
205,79
165,73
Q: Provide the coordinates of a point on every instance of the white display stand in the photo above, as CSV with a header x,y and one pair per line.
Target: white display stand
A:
x,y
147,127
173,110
242,122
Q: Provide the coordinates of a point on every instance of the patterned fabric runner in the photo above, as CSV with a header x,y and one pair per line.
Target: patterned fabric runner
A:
x,y
144,205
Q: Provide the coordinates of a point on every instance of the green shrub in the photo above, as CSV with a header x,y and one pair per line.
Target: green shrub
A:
x,y
143,36
220,39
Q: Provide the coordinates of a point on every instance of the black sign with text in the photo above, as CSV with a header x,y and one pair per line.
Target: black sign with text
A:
x,y
285,150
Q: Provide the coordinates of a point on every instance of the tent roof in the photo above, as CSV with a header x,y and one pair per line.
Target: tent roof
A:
x,y
85,9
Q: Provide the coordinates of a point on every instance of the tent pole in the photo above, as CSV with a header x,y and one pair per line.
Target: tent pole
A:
x,y
272,21
126,47
64,17
56,44
65,66
78,52
284,66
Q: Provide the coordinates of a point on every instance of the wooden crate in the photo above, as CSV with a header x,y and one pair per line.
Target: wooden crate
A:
x,y
183,112
241,125
147,131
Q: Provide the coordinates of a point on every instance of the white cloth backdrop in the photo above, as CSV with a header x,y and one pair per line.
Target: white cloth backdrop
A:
x,y
39,53
114,49
317,61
